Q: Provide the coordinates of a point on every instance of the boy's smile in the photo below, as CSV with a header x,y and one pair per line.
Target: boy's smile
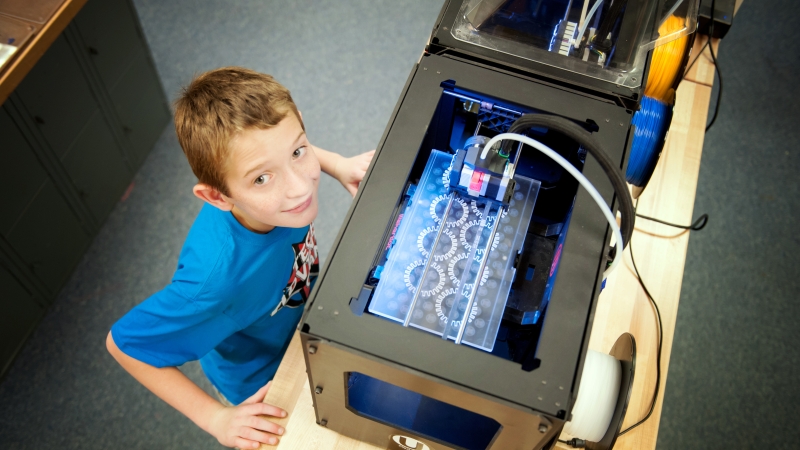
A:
x,y
272,176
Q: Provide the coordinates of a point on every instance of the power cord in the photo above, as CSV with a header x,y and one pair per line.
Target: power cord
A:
x,y
697,225
694,60
660,337
716,65
719,92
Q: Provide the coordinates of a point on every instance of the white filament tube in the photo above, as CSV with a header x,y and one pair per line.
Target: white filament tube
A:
x,y
597,397
612,222
585,23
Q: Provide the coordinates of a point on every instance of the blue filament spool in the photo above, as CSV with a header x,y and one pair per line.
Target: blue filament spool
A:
x,y
651,123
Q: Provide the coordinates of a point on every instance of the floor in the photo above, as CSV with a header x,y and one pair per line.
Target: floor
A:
x,y
732,377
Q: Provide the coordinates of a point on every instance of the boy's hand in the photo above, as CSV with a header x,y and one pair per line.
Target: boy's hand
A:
x,y
350,171
242,426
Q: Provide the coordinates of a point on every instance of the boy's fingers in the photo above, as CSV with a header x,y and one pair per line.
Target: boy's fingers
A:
x,y
257,436
245,443
258,396
265,409
262,424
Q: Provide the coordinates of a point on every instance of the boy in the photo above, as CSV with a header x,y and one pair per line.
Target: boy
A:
x,y
248,263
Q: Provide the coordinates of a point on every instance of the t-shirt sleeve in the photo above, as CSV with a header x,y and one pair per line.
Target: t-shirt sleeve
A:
x,y
174,325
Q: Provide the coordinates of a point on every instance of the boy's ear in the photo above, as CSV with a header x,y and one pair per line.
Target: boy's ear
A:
x,y
213,196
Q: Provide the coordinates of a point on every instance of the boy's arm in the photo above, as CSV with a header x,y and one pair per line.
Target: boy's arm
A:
x,y
241,426
349,171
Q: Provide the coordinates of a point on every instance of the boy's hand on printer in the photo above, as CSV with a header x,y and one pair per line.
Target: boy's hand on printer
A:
x,y
243,426
350,171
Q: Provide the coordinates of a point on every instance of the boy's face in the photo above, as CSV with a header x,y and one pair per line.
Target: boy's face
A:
x,y
273,177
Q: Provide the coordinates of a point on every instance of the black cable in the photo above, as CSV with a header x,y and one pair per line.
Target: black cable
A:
x,y
689,67
600,40
716,65
574,442
593,147
719,92
660,340
697,225
718,73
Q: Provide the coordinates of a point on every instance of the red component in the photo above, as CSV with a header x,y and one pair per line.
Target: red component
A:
x,y
477,181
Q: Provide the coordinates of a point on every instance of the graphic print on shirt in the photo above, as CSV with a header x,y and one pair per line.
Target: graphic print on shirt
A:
x,y
304,272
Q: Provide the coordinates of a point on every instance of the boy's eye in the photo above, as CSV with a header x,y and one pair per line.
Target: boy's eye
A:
x,y
299,152
261,179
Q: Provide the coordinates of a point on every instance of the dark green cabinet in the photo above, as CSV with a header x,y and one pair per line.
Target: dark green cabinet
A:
x,y
110,35
133,98
21,174
72,135
48,238
57,96
97,168
21,312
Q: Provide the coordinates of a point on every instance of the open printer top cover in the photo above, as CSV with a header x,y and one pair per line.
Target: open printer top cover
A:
x,y
603,40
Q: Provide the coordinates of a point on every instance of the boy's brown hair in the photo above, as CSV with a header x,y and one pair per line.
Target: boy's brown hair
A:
x,y
216,106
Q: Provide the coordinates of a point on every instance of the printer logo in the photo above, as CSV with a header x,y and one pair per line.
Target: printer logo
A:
x,y
407,443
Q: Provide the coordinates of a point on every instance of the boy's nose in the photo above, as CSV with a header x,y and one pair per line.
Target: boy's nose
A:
x,y
298,184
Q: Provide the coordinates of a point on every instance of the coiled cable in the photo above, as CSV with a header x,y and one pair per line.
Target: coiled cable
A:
x,y
578,176
594,148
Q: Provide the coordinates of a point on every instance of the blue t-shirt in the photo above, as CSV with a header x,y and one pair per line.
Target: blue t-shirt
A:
x,y
233,303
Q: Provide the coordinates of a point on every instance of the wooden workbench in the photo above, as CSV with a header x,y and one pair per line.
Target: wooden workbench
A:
x,y
660,253
29,54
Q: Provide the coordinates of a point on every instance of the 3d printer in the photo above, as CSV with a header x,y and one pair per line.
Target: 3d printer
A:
x,y
457,302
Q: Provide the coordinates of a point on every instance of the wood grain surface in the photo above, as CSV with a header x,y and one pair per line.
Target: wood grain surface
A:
x,y
660,253
290,391
27,57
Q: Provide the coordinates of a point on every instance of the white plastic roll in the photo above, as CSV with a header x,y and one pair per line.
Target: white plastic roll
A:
x,y
597,397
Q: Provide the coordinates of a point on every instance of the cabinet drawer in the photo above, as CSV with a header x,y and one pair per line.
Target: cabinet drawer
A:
x,y
21,175
19,313
58,96
139,101
97,168
49,238
109,32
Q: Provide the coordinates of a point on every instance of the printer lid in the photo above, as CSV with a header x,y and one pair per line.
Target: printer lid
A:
x,y
562,38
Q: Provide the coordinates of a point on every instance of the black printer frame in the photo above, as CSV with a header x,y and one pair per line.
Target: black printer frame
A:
x,y
545,394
